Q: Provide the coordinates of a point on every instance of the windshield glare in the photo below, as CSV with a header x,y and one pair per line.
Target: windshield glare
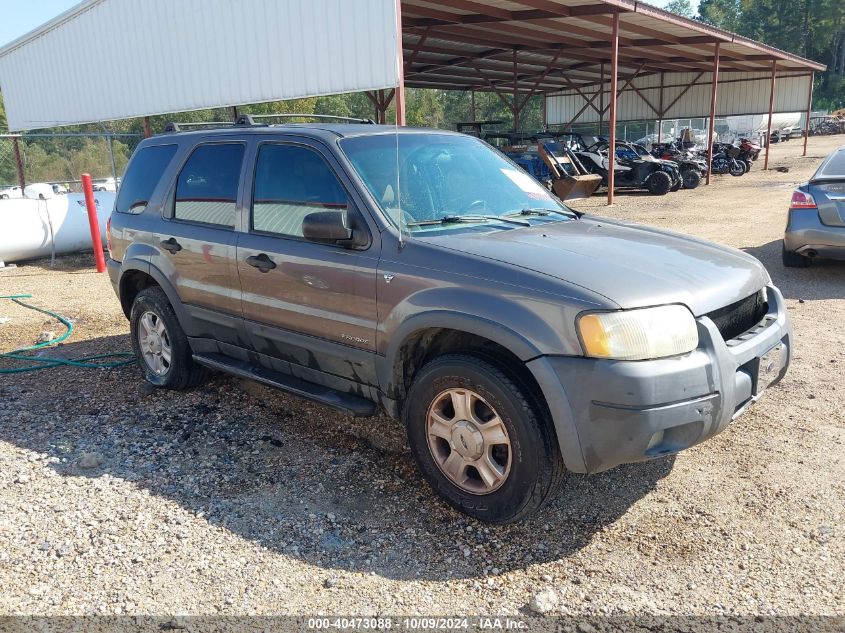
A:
x,y
442,176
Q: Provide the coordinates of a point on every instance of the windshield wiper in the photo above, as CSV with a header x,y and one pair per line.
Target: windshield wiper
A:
x,y
543,211
458,219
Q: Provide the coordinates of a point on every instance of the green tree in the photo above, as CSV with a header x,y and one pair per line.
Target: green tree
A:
x,y
681,7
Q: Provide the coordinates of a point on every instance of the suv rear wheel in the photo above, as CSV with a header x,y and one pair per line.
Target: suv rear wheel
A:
x,y
160,344
481,439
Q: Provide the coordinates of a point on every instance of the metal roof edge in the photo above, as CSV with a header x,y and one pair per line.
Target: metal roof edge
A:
x,y
644,8
60,19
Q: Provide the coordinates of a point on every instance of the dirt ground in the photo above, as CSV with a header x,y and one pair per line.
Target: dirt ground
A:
x,y
119,499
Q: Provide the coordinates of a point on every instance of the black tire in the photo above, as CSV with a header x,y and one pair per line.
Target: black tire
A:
x,y
791,259
659,183
748,164
738,169
691,178
535,466
181,371
676,186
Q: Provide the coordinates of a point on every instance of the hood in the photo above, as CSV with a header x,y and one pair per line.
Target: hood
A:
x,y
631,265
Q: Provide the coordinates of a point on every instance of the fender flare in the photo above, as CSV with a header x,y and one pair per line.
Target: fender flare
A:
x,y
471,324
134,263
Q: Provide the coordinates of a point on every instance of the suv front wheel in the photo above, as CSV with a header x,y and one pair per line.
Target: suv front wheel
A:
x,y
481,439
160,344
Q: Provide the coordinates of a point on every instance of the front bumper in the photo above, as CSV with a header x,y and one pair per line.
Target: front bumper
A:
x,y
609,412
805,234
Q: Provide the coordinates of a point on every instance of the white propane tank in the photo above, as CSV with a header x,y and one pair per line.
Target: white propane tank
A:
x,y
32,228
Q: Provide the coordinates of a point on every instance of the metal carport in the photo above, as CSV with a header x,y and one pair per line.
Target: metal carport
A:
x,y
164,56
603,60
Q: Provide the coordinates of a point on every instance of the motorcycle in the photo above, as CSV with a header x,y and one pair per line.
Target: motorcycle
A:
x,y
725,160
749,151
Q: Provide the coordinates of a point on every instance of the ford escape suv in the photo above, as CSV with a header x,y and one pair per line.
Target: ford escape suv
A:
x,y
422,272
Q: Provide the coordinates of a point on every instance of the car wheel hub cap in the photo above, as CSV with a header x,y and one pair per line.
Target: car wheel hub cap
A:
x,y
468,441
154,341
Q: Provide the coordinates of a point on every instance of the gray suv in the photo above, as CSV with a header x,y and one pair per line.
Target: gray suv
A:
x,y
422,272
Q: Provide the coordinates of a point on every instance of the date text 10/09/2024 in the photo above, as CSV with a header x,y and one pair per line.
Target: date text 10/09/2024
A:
x,y
417,623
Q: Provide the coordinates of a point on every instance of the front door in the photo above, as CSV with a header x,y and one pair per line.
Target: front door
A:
x,y
310,304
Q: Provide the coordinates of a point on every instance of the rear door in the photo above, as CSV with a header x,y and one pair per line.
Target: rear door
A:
x,y
310,304
197,240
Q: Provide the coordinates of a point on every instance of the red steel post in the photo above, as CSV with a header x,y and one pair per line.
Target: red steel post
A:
x,y
93,223
771,109
400,67
614,71
809,112
714,87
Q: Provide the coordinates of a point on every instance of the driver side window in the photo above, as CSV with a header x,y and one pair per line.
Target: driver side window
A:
x,y
292,181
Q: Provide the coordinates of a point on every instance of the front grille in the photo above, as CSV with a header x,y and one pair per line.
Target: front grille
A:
x,y
736,318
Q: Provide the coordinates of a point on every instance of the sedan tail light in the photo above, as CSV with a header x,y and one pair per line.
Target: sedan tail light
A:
x,y
802,200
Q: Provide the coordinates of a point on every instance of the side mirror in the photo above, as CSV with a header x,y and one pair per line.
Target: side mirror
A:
x,y
327,227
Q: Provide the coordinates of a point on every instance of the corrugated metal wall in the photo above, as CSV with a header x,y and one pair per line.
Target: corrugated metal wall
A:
x,y
123,58
739,93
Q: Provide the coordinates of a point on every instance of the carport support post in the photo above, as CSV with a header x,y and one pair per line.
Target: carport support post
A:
x,y
614,71
400,68
771,109
809,112
19,164
148,130
660,112
711,127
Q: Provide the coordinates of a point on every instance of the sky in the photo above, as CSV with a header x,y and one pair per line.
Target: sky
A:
x,y
18,17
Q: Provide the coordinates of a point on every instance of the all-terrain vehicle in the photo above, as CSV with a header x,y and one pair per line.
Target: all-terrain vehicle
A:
x,y
632,171
692,167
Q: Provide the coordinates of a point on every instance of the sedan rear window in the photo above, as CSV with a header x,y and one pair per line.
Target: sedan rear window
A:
x,y
833,167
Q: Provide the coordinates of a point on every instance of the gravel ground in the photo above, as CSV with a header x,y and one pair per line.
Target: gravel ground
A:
x,y
232,499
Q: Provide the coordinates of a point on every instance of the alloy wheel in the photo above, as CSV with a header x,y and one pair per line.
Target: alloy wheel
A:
x,y
468,441
154,342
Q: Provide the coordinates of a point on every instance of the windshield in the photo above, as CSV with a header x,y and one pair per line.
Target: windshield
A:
x,y
445,176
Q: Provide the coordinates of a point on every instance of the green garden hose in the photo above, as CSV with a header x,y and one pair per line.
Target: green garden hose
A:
x,y
36,363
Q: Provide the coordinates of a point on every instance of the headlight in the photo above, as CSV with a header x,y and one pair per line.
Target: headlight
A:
x,y
638,334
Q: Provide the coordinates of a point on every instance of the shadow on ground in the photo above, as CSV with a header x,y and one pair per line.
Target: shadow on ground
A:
x,y
825,279
295,477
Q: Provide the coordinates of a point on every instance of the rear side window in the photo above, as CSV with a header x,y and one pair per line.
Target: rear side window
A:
x,y
141,178
290,182
207,188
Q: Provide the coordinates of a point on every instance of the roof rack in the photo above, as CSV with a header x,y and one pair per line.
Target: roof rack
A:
x,y
254,119
249,120
172,126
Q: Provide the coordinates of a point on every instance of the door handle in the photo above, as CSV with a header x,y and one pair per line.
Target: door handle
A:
x,y
261,262
171,245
